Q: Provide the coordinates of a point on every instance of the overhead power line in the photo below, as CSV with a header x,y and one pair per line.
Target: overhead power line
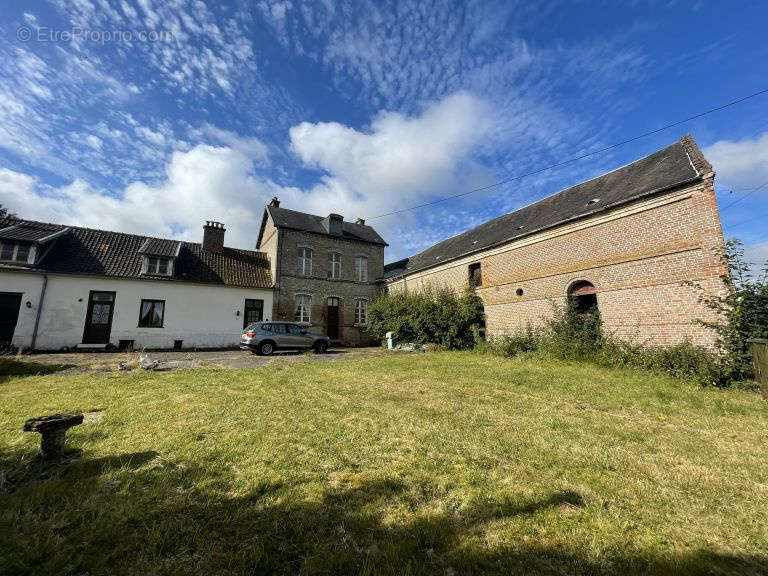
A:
x,y
747,194
576,158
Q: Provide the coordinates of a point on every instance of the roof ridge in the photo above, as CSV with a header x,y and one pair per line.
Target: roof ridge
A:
x,y
129,234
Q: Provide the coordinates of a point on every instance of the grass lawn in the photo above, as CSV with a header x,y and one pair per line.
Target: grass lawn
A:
x,y
444,463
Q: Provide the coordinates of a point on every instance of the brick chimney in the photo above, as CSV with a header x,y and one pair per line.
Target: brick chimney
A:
x,y
213,236
275,202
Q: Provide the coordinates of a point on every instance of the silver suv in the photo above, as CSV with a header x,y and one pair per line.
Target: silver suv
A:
x,y
266,337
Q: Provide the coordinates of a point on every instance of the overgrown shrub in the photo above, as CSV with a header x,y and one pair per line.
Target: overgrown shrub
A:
x,y
578,336
743,313
439,316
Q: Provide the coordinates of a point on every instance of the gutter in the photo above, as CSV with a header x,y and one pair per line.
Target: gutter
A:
x,y
39,310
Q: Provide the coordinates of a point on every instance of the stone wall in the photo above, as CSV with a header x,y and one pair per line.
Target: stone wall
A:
x,y
320,288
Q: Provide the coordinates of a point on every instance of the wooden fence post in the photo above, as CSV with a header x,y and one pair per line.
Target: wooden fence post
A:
x,y
759,349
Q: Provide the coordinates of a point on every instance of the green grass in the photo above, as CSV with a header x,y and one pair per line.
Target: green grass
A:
x,y
15,367
445,463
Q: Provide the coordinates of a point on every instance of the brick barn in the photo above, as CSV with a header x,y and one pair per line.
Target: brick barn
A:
x,y
628,239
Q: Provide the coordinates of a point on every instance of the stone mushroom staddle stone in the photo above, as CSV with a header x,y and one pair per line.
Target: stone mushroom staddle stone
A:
x,y
53,430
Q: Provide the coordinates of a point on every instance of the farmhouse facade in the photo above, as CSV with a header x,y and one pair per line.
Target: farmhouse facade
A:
x,y
65,287
327,270
630,241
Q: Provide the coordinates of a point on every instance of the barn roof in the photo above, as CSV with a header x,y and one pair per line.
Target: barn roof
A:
x,y
675,165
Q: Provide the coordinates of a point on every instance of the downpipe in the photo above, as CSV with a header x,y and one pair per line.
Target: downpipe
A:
x,y
39,310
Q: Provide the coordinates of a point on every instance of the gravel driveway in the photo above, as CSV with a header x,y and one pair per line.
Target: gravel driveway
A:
x,y
169,360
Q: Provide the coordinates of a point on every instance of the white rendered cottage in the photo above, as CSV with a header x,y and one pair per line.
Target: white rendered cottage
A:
x,y
66,287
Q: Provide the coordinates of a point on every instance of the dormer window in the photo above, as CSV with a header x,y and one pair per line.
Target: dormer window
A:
x,y
159,256
14,252
158,266
333,224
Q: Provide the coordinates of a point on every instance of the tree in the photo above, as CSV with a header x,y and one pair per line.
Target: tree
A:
x,y
743,312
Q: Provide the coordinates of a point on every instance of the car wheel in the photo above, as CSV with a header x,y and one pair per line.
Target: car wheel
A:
x,y
321,347
266,348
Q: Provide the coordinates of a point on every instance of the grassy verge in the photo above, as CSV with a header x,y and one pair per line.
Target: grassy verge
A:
x,y
445,463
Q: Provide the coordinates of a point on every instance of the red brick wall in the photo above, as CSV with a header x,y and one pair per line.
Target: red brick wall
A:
x,y
637,256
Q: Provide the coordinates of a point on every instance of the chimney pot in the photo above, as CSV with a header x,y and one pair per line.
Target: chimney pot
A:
x,y
213,236
275,202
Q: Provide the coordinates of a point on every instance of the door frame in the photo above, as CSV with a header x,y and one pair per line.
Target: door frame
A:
x,y
328,316
89,313
245,310
20,296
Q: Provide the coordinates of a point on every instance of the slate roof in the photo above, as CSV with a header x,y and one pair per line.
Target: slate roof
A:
x,y
285,218
87,251
673,166
30,231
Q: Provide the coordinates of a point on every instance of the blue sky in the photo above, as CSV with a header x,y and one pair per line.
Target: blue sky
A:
x,y
155,116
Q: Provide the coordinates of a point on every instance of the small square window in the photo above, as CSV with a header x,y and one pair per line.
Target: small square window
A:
x,y
22,252
158,266
6,251
151,313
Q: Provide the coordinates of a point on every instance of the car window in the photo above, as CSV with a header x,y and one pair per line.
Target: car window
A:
x,y
266,327
278,328
293,329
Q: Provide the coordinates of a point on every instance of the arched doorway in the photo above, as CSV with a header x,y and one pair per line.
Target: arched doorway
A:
x,y
583,295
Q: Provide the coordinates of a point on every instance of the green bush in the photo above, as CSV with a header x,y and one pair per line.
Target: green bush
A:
x,y
743,312
577,336
437,316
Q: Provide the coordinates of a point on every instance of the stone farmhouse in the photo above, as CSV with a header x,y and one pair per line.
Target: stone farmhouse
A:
x,y
327,270
627,241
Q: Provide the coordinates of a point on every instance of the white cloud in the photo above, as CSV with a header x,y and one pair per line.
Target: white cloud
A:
x,y
400,160
93,141
742,163
204,183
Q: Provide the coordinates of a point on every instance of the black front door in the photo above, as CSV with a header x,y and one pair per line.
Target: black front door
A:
x,y
10,302
98,319
332,330
254,311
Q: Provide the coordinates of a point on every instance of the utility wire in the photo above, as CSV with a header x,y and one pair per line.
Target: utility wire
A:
x,y
749,192
575,158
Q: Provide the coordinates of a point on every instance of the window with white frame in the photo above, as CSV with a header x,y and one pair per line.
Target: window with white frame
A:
x,y
305,261
361,268
12,252
158,266
361,311
303,302
334,265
